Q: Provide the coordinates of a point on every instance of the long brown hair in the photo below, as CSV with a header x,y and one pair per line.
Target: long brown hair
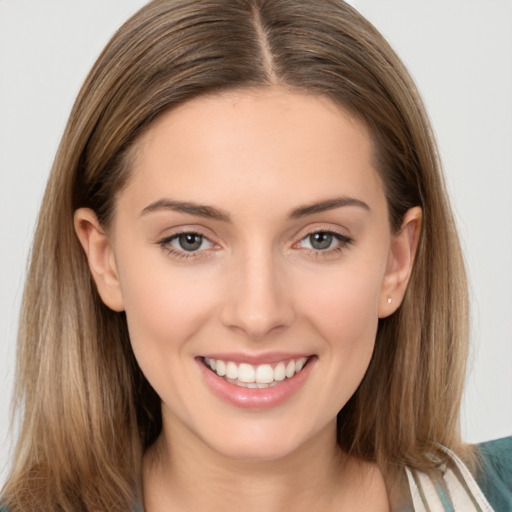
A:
x,y
87,412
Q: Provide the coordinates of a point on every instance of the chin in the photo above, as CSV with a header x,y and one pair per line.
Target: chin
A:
x,y
251,450
251,441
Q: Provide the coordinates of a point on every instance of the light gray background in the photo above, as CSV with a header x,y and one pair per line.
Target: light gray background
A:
x,y
460,54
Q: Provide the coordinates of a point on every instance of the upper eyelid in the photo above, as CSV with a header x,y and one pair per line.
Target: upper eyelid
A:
x,y
186,230
342,239
171,238
342,232
328,230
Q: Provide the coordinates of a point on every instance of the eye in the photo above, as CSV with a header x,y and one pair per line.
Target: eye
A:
x,y
320,241
189,242
186,244
324,241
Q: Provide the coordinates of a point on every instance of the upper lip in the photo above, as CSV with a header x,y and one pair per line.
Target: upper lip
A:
x,y
256,359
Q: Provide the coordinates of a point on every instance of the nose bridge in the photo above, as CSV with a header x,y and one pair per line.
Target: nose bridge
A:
x,y
258,302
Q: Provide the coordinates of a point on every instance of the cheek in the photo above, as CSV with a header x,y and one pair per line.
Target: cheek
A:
x,y
164,307
345,306
343,309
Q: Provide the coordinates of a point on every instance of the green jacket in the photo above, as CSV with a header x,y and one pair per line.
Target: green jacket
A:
x,y
495,478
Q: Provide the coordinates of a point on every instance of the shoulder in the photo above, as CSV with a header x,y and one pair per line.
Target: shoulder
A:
x,y
494,475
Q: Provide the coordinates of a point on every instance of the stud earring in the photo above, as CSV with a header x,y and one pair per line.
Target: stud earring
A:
x,y
390,300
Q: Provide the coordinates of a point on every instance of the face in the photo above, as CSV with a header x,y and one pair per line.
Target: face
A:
x,y
252,253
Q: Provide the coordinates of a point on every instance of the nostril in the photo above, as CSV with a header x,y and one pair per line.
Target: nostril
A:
x,y
258,325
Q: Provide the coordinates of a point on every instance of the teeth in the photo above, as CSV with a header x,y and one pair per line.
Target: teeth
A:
x,y
261,376
220,368
264,374
280,372
300,364
246,373
232,371
290,369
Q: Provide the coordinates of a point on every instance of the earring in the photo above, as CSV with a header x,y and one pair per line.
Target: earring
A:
x,y
390,300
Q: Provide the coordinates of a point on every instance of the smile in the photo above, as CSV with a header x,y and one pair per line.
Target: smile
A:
x,y
255,376
256,382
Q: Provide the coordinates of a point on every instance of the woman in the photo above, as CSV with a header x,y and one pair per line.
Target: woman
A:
x,y
246,276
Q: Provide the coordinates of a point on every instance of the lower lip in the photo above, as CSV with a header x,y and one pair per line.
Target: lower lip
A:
x,y
255,398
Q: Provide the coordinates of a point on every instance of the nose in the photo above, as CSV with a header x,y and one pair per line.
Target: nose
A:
x,y
258,300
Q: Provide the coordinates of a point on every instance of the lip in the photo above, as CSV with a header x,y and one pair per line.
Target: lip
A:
x,y
258,398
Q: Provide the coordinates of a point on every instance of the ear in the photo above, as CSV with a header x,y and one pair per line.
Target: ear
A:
x,y
100,256
400,262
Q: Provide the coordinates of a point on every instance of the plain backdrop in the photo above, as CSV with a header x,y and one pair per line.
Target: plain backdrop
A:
x,y
458,51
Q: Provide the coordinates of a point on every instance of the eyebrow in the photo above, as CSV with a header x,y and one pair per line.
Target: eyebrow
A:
x,y
199,210
328,204
214,213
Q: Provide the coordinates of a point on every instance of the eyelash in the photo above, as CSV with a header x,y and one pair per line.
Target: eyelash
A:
x,y
182,254
343,242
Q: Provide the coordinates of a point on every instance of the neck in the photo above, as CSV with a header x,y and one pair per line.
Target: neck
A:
x,y
181,473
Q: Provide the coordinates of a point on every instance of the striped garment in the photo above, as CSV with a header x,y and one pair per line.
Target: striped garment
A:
x,y
459,491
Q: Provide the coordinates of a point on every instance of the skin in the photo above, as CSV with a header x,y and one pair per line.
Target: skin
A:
x,y
256,285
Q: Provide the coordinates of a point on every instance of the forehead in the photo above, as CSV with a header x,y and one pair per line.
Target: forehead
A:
x,y
277,144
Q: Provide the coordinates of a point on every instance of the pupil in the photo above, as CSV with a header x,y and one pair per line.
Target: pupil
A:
x,y
190,241
320,241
